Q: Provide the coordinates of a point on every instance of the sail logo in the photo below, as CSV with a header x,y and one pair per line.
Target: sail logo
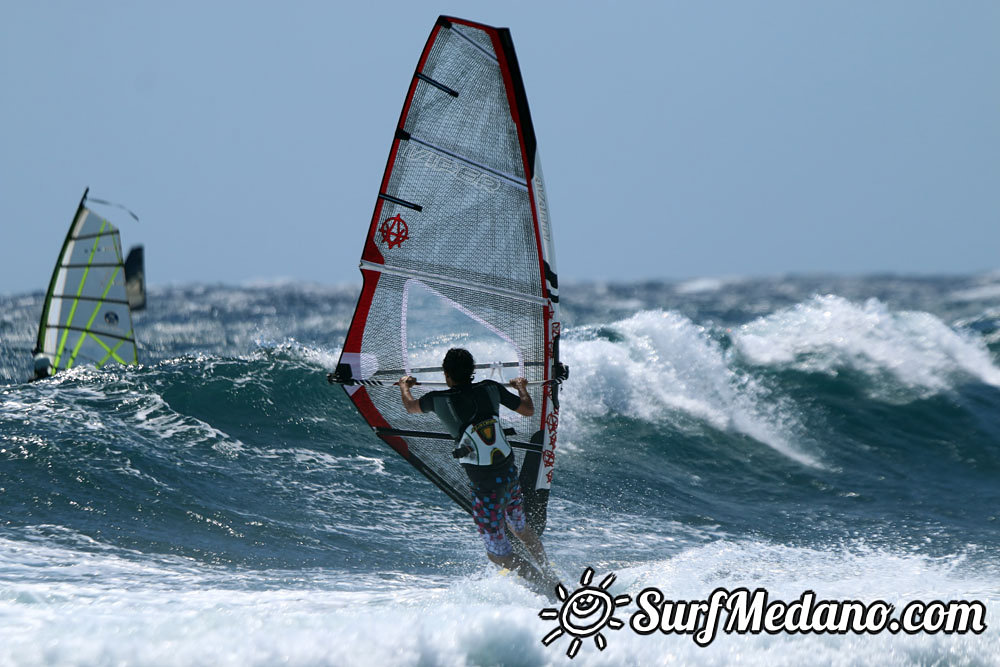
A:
x,y
394,231
542,206
549,455
111,318
462,172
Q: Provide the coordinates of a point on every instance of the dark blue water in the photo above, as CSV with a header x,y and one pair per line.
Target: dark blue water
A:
x,y
222,504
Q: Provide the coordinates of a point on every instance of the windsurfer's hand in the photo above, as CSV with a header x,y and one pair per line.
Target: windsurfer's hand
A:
x,y
407,381
519,383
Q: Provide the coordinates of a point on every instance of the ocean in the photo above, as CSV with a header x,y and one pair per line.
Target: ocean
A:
x,y
221,504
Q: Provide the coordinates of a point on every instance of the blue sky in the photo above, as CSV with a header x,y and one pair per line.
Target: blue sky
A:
x,y
678,139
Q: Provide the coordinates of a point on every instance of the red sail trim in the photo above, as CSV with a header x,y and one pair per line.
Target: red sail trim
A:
x,y
371,252
363,402
357,329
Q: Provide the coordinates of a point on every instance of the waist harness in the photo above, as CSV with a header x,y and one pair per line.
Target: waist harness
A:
x,y
482,441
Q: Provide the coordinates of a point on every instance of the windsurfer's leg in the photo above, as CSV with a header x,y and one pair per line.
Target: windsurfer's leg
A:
x,y
487,511
500,551
514,512
531,541
509,561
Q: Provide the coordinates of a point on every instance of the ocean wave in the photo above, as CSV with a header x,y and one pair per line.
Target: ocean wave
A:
x,y
657,364
699,285
913,350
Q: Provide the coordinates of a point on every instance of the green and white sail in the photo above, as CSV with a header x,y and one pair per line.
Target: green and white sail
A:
x,y
86,318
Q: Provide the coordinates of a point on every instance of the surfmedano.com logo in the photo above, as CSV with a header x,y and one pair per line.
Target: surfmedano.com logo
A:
x,y
590,609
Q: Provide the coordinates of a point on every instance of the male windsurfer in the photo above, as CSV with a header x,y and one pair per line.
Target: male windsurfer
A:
x,y
470,412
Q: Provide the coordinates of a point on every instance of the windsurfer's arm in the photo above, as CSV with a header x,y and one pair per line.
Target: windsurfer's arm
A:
x,y
526,408
411,404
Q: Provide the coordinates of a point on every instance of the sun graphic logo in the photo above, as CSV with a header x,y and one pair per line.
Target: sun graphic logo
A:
x,y
585,613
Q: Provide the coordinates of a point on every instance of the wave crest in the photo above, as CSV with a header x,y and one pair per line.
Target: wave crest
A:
x,y
656,363
826,334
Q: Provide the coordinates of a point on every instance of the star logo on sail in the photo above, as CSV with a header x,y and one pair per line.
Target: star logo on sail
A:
x,y
394,231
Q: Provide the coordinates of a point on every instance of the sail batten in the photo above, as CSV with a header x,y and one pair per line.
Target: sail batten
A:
x,y
445,280
520,182
103,334
88,298
476,46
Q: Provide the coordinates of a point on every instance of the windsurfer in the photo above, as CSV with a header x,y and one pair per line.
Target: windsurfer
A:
x,y
470,412
42,365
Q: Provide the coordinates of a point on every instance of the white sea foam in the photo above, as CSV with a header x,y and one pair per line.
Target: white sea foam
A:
x,y
312,355
664,364
988,292
311,459
94,606
67,404
829,333
699,285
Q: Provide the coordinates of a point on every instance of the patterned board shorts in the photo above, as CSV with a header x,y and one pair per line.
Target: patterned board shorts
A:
x,y
492,505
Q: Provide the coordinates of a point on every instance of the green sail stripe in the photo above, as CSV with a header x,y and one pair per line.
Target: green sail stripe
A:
x,y
111,351
97,308
72,310
99,342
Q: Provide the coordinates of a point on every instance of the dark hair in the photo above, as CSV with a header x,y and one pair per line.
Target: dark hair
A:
x,y
459,365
